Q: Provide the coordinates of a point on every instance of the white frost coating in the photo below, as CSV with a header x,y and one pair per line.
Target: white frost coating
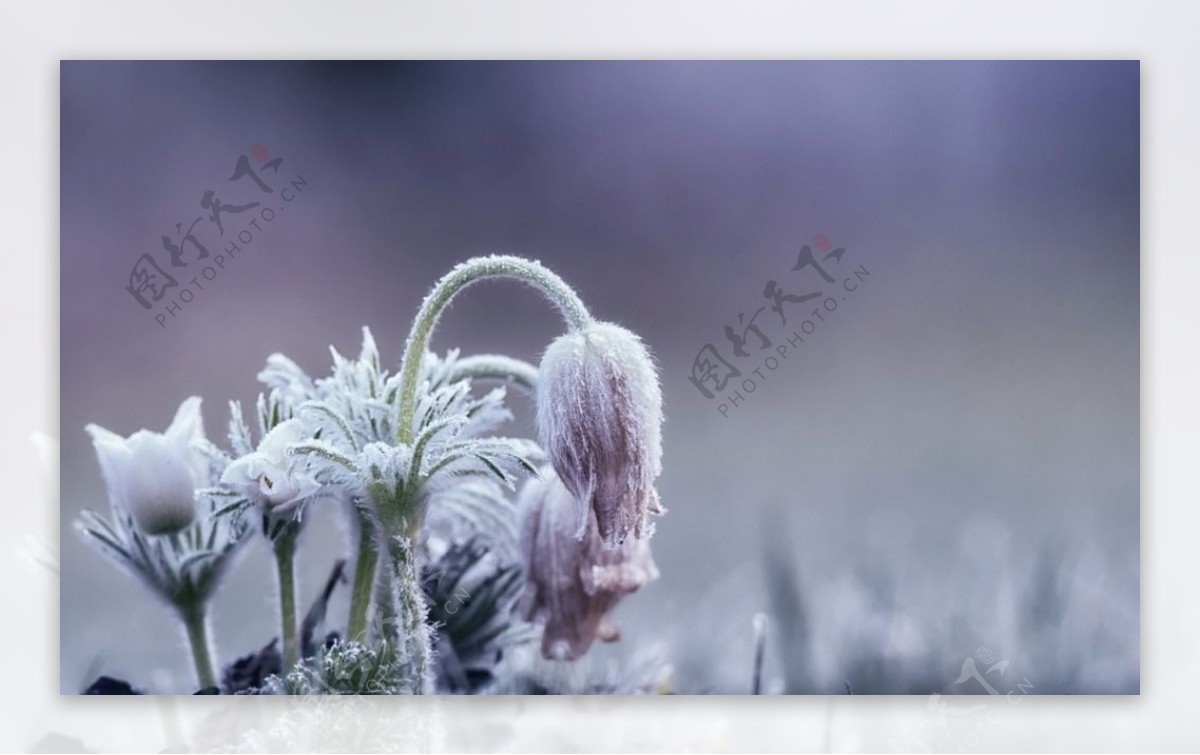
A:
x,y
451,284
154,476
572,585
354,412
599,413
401,450
496,367
268,476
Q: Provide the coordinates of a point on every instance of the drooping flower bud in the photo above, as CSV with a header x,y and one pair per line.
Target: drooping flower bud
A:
x,y
154,476
599,412
572,585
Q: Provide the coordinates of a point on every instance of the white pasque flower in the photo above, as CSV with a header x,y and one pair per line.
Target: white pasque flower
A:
x,y
599,413
154,476
268,476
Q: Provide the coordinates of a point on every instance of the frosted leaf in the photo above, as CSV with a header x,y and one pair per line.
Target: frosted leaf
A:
x,y
355,414
285,377
239,432
350,668
501,459
186,567
323,420
471,589
475,507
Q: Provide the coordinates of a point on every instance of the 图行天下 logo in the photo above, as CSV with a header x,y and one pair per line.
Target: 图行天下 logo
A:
x,y
758,347
197,250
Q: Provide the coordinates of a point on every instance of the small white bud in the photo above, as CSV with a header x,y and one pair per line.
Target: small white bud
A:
x,y
572,585
154,476
268,477
599,412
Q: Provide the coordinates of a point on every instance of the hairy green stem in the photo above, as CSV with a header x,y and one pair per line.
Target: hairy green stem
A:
x,y
534,273
364,581
285,564
360,599
385,598
412,629
195,621
400,602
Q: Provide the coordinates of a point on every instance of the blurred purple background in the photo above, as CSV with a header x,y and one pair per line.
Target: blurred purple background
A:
x,y
950,461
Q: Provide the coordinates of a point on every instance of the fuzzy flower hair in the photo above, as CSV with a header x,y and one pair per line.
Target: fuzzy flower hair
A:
x,y
599,413
573,585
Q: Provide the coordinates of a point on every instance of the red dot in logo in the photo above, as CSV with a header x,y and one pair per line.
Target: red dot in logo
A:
x,y
822,243
260,153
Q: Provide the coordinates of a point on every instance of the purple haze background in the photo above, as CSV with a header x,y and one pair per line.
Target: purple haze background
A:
x,y
950,462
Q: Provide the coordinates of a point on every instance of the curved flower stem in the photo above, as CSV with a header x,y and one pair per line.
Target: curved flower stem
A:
x,y
364,581
285,562
195,621
534,273
406,619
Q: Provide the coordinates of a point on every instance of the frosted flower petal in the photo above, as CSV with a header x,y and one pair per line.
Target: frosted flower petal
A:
x,y
152,475
600,420
573,585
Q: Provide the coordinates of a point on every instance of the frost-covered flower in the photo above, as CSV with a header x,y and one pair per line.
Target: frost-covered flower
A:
x,y
572,585
154,476
155,484
269,476
599,412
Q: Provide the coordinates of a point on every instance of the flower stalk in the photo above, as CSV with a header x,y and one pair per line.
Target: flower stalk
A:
x,y
402,505
195,621
284,547
364,581
157,484
499,266
412,629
